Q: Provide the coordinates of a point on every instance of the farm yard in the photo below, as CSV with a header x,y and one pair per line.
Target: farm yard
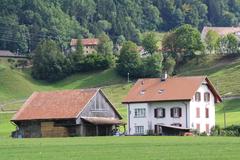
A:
x,y
127,148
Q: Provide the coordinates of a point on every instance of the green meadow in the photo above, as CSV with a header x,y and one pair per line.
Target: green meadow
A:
x,y
119,148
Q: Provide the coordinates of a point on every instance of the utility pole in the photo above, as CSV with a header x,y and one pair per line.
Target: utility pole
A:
x,y
224,111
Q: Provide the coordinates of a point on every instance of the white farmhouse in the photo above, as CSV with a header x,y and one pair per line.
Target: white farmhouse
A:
x,y
171,106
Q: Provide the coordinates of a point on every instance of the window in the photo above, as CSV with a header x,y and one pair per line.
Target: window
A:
x,y
139,129
206,97
198,112
198,127
159,113
207,128
198,97
207,112
140,113
176,112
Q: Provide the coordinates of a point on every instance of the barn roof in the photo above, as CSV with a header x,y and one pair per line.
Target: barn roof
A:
x,y
172,89
85,42
55,104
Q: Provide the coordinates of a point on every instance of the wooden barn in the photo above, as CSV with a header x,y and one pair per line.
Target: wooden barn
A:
x,y
83,112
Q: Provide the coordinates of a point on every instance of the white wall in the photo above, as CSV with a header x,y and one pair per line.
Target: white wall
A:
x,y
150,121
188,119
202,105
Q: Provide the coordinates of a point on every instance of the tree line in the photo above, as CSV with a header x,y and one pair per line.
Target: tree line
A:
x,y
25,23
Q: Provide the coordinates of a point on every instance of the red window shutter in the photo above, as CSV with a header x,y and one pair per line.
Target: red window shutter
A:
x,y
207,112
155,113
198,112
207,128
180,112
171,112
198,126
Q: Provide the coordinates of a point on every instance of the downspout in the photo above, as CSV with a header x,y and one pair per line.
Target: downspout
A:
x,y
129,112
186,114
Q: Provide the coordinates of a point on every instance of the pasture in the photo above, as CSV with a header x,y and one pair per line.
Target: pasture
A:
x,y
118,148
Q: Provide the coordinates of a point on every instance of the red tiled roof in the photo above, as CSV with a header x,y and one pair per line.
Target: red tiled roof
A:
x,y
55,105
173,89
222,31
85,42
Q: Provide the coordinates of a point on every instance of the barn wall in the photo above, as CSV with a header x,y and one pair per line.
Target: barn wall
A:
x,y
30,129
98,107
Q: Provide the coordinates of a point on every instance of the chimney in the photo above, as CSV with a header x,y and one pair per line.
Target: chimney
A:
x,y
164,76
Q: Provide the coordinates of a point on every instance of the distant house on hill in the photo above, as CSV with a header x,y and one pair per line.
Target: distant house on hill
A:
x,y
83,112
9,54
89,45
222,31
171,106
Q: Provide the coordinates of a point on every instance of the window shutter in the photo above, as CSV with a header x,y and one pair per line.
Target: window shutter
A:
x,y
171,112
155,113
156,129
180,112
163,110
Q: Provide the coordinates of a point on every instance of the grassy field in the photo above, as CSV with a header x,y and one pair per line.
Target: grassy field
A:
x,y
5,126
17,84
232,108
223,72
118,148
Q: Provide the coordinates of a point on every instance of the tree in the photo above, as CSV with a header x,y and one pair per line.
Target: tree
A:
x,y
77,57
211,40
129,60
228,44
152,65
169,65
105,46
48,62
183,42
150,43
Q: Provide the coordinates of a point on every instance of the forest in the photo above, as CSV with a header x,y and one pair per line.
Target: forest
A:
x,y
25,23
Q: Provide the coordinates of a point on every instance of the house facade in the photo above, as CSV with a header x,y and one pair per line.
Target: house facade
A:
x,y
222,31
89,45
171,106
85,112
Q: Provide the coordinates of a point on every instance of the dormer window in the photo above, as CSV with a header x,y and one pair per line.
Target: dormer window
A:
x,y
206,97
142,92
198,97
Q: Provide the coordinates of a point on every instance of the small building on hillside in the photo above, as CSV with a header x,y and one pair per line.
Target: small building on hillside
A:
x,y
83,112
222,31
171,106
89,45
9,54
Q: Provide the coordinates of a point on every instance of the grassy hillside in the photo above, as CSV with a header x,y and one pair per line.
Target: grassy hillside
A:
x,y
224,72
17,84
118,148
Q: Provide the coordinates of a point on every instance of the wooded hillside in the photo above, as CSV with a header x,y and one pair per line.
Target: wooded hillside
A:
x,y
24,23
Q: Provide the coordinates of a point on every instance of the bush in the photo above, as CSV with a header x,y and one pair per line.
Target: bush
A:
x,y
96,62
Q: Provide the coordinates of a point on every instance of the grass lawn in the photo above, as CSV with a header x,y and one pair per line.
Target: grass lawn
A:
x,y
5,126
121,148
223,72
232,108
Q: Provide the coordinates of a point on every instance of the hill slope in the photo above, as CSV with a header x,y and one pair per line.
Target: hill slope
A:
x,y
224,73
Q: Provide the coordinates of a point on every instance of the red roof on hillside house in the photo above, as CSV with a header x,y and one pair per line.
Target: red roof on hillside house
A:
x,y
172,89
222,31
55,105
86,42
